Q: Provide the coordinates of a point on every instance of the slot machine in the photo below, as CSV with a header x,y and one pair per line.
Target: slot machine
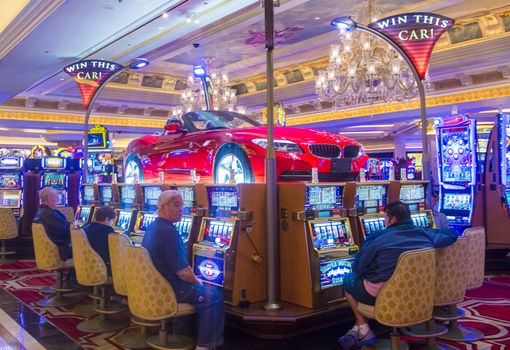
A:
x,y
365,201
456,147
88,202
108,195
11,184
316,243
145,217
413,193
231,243
55,175
497,182
195,207
125,214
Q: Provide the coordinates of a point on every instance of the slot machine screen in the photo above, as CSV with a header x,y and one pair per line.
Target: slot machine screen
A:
x,y
54,180
372,225
332,272
208,269
323,197
127,196
84,214
61,198
10,198
53,163
184,228
105,195
222,198
123,220
10,180
11,162
88,196
456,154
420,219
218,232
370,197
508,196
412,194
188,196
146,220
330,234
150,197
456,201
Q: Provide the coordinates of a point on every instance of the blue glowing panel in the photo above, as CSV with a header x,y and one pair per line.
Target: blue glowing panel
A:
x,y
333,271
456,149
210,270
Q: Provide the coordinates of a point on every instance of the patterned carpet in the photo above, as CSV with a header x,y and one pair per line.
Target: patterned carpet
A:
x,y
487,309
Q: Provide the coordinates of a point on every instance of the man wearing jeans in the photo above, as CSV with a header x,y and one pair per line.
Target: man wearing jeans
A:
x,y
165,246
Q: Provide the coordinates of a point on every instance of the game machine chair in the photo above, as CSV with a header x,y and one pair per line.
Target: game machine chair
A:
x,y
68,213
406,299
474,264
152,298
91,271
130,338
8,230
47,257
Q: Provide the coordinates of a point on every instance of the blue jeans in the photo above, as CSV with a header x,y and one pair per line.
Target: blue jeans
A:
x,y
208,300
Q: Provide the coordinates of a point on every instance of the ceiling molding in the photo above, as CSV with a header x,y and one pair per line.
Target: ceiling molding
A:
x,y
29,18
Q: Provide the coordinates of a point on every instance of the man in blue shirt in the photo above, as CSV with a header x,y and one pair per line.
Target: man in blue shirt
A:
x,y
98,231
376,261
165,246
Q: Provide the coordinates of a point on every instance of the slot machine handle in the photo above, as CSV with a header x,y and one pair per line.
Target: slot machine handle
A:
x,y
256,257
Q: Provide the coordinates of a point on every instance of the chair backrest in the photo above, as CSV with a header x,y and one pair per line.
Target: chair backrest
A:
x,y
117,245
150,295
90,267
69,214
451,273
47,256
407,297
8,226
475,263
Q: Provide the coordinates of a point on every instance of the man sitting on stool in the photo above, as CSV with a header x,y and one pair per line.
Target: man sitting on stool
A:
x,y
376,261
166,249
98,231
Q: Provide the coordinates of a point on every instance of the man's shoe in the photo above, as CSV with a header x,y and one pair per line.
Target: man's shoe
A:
x,y
368,339
349,340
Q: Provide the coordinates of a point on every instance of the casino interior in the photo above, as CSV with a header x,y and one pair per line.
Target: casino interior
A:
x,y
112,102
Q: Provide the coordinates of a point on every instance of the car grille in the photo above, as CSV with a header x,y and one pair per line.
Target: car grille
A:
x,y
324,150
295,175
351,151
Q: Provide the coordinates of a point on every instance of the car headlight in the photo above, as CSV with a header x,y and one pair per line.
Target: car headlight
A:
x,y
280,145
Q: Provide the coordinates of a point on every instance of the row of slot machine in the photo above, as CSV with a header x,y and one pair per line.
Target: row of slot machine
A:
x,y
223,229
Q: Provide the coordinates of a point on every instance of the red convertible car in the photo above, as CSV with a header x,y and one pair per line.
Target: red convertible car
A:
x,y
221,144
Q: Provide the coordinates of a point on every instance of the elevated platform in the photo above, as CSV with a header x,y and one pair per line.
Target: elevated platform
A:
x,y
290,321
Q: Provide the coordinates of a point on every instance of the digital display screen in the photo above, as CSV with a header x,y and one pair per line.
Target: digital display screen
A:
x,y
10,198
373,225
184,228
420,220
150,197
97,140
83,214
332,272
53,163
88,194
210,270
412,193
218,232
456,154
62,197
10,180
11,162
507,191
127,195
457,201
330,234
323,197
105,195
222,198
54,180
188,195
123,220
145,221
370,198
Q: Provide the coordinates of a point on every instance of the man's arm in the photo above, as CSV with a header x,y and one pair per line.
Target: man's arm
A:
x,y
187,275
442,237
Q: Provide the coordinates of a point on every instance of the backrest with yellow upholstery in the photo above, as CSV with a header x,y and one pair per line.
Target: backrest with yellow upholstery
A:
x,y
47,256
8,226
90,267
69,213
451,273
407,297
117,245
150,295
475,263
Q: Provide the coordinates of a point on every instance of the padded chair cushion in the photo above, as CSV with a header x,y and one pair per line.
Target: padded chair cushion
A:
x,y
451,273
475,263
90,267
47,256
117,244
8,226
184,309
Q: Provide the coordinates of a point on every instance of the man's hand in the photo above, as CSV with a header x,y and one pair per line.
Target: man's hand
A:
x,y
187,275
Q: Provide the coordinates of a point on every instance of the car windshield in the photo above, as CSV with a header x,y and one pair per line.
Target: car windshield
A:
x,y
211,120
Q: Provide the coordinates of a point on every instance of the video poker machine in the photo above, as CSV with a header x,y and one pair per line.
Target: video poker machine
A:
x,y
456,147
316,243
231,245
55,175
414,194
365,202
11,184
88,202
129,204
145,217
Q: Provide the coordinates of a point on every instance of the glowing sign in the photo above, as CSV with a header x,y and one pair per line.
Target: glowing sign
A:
x,y
416,33
333,272
89,75
208,269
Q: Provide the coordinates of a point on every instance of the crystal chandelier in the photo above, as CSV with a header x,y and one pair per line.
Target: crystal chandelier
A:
x,y
222,96
364,69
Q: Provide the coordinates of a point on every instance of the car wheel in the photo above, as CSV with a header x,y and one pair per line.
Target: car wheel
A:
x,y
232,158
133,166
